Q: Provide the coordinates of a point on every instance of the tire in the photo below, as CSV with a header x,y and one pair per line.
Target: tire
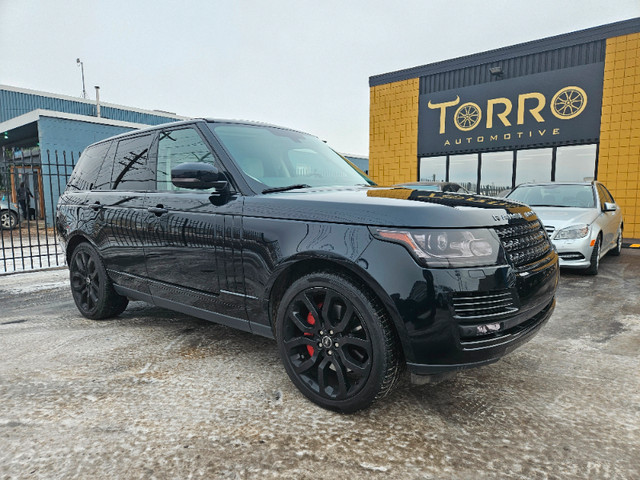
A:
x,y
615,251
91,286
595,258
8,220
336,342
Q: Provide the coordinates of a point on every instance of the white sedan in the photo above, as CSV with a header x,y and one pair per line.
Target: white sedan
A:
x,y
581,218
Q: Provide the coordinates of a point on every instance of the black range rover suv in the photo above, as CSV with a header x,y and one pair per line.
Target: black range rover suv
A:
x,y
268,230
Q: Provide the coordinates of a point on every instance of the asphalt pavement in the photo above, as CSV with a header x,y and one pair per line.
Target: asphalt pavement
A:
x,y
155,394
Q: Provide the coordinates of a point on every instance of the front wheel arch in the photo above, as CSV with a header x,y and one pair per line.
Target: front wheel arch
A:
x,y
616,250
351,271
593,268
336,341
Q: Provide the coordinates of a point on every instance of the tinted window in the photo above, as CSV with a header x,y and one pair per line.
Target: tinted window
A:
x,y
130,168
88,174
176,147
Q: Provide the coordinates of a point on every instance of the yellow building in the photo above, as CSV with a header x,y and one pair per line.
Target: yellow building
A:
x,y
564,108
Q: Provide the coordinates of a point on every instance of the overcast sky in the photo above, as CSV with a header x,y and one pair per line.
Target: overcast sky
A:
x,y
297,63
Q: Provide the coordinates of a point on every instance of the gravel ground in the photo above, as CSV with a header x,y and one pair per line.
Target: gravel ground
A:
x,y
154,394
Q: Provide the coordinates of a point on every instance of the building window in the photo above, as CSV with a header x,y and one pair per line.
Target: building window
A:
x,y
463,169
497,172
433,169
534,165
575,163
572,163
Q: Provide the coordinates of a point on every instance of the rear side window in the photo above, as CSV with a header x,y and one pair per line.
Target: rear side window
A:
x,y
131,169
92,171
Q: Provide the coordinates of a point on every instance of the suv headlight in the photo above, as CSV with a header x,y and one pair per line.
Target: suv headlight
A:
x,y
572,232
446,247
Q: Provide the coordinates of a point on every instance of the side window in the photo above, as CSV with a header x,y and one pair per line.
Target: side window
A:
x,y
88,174
130,167
103,182
607,195
604,196
176,147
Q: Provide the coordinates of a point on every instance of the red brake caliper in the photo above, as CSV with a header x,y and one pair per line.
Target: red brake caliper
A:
x,y
311,321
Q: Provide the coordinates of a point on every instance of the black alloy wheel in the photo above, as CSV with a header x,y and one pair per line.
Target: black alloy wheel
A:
x,y
91,287
336,343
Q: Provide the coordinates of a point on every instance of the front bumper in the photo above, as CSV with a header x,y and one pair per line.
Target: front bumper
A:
x,y
490,349
451,319
574,253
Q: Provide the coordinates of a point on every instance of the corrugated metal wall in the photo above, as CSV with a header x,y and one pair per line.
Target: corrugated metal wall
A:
x,y
583,54
14,104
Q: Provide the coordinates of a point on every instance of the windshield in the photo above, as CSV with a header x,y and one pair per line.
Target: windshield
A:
x,y
560,195
272,157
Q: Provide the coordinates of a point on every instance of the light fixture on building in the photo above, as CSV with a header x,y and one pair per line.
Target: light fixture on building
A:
x,y
496,71
81,65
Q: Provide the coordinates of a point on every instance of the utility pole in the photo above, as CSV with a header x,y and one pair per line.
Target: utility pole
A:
x,y
81,65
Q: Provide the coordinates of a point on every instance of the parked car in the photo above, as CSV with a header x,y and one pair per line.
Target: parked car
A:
x,y
434,186
268,230
582,219
9,215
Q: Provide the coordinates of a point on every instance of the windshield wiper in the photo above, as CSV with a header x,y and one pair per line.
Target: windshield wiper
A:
x,y
284,189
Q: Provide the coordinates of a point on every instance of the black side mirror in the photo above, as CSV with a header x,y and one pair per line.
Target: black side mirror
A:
x,y
198,176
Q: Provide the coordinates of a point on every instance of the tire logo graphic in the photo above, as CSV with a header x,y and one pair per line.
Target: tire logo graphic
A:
x,y
568,102
467,116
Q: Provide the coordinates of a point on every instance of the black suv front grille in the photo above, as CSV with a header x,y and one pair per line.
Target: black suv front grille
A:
x,y
524,243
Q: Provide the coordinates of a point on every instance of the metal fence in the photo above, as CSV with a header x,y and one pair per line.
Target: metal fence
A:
x,y
30,184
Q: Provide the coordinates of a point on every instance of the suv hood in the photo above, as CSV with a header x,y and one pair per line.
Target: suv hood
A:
x,y
561,217
398,207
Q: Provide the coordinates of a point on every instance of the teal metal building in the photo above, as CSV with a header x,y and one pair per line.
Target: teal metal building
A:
x,y
42,135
